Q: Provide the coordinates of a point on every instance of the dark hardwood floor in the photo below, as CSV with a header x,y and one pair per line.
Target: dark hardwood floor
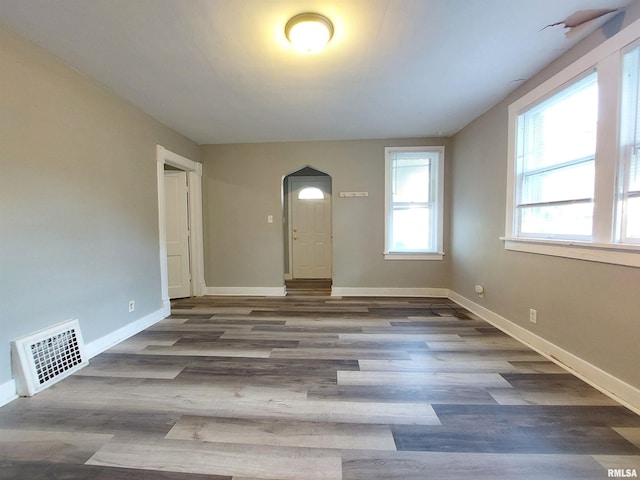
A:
x,y
314,387
309,287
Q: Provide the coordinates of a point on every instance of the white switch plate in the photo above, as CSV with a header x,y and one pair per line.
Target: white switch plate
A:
x,y
269,218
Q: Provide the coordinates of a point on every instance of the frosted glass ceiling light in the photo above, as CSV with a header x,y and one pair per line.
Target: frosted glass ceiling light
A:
x,y
309,32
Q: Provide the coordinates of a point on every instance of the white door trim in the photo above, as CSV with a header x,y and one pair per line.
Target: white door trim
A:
x,y
196,245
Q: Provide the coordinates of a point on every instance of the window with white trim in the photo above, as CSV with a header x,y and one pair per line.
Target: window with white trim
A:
x,y
414,184
555,163
629,203
574,169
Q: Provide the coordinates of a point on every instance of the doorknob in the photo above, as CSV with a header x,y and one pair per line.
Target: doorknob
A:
x,y
295,237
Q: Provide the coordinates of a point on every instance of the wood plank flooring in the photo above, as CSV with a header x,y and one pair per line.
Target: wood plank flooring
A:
x,y
315,387
308,287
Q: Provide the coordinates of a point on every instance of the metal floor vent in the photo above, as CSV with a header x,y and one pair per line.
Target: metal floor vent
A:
x,y
46,357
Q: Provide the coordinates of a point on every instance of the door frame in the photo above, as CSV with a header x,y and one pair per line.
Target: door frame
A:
x,y
196,244
289,214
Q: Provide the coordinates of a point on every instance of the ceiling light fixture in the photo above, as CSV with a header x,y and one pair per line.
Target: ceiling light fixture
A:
x,y
309,32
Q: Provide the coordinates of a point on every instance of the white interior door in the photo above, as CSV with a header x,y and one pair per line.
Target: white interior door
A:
x,y
177,222
311,227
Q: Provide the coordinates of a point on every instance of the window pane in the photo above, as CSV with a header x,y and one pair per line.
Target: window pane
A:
x,y
634,171
557,220
568,183
630,126
630,146
562,128
411,178
556,162
633,218
411,228
310,193
413,200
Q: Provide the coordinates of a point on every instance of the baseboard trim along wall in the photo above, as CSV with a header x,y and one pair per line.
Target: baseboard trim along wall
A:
x,y
117,336
388,292
247,291
166,307
7,392
613,387
8,389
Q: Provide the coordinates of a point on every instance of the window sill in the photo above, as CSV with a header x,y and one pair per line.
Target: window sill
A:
x,y
413,256
616,254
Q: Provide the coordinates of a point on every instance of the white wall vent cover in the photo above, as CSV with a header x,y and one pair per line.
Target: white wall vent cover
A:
x,y
46,357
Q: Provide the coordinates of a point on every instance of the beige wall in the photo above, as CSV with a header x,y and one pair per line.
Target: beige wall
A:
x,y
79,230
78,200
243,184
589,309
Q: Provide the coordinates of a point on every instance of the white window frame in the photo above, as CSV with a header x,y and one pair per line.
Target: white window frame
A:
x,y
437,186
523,174
623,180
605,245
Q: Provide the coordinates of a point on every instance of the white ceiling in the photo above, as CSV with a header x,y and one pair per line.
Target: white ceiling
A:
x,y
221,71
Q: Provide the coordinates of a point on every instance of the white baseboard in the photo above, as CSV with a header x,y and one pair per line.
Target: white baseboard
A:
x,y
608,384
247,291
388,292
91,349
7,392
620,391
113,338
200,289
166,307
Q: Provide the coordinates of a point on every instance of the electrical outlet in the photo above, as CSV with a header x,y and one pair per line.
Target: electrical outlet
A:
x,y
132,305
533,315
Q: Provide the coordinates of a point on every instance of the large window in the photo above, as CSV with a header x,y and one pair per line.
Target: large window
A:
x,y
574,168
414,193
555,163
629,204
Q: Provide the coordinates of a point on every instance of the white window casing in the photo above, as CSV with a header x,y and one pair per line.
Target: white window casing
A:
x,y
414,197
614,192
628,221
555,154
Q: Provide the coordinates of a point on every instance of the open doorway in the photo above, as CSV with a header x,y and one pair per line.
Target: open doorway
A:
x,y
180,227
308,237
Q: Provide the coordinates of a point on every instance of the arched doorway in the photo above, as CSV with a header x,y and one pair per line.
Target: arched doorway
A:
x,y
308,239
